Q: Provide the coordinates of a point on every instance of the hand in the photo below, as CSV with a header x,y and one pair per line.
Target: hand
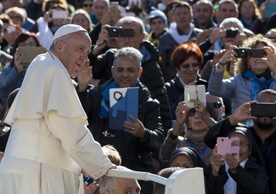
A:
x,y
116,15
203,113
228,57
218,56
18,61
242,113
84,76
270,59
216,34
47,16
10,37
136,129
216,161
91,188
103,36
181,113
232,162
107,17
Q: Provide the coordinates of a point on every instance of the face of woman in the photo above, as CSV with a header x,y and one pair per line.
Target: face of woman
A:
x,y
188,70
81,20
182,161
247,10
257,65
195,122
244,147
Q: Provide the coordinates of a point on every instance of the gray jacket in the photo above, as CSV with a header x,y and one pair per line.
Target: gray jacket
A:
x,y
237,88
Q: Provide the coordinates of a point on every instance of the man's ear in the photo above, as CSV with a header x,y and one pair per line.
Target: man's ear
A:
x,y
58,46
140,72
112,70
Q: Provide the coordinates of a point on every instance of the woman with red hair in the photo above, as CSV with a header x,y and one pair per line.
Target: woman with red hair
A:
x,y
187,59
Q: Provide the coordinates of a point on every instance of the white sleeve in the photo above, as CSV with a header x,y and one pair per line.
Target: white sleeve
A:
x,y
79,143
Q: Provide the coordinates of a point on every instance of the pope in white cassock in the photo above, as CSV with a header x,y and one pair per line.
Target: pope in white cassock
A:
x,y
49,143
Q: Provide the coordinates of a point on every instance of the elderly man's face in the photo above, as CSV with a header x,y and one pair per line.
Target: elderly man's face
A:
x,y
125,72
73,51
129,186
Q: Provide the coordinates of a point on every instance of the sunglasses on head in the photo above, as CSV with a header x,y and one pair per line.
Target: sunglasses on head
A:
x,y
87,5
216,104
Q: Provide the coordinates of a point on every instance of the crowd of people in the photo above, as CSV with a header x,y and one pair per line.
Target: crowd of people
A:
x,y
55,108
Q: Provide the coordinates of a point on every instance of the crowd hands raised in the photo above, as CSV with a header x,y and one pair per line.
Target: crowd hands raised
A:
x,y
167,134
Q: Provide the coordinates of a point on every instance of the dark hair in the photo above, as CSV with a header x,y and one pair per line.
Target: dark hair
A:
x,y
166,172
183,4
185,51
22,37
256,9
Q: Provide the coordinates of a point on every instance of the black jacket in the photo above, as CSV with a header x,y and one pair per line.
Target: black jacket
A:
x,y
175,91
151,77
251,179
135,154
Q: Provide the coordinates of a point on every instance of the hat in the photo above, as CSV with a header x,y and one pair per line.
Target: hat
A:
x,y
68,29
157,13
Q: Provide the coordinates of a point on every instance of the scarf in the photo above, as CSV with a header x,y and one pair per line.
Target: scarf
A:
x,y
196,140
180,38
105,102
230,187
258,84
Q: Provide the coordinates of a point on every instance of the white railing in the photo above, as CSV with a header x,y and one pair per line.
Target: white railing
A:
x,y
189,180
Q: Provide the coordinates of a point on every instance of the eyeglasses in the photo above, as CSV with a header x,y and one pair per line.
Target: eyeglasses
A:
x,y
192,112
87,5
216,104
187,66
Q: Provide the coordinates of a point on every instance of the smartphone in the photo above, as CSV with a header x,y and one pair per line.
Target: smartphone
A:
x,y
197,92
231,32
261,109
59,14
226,145
28,53
114,4
120,32
249,53
11,29
270,9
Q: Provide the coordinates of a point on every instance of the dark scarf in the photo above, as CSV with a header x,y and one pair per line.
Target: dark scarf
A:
x,y
258,84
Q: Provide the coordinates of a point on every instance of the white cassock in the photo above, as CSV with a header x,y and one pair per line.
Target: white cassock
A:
x,y
49,142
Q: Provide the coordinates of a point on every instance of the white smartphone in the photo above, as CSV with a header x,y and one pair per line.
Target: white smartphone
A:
x,y
114,4
197,92
59,14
